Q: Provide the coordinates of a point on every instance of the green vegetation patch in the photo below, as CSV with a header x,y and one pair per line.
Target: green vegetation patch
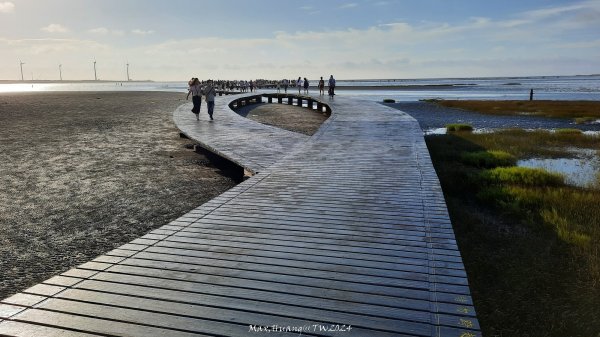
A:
x,y
568,131
554,109
530,243
488,159
523,176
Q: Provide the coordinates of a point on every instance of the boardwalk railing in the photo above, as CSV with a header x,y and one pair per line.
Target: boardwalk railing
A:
x,y
291,99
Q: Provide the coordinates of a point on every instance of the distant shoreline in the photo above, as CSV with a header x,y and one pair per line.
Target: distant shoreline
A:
x,y
290,88
68,81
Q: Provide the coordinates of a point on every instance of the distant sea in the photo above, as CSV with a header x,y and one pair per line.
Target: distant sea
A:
x,y
503,88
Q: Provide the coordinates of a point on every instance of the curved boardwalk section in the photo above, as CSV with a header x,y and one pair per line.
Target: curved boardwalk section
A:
x,y
346,234
249,144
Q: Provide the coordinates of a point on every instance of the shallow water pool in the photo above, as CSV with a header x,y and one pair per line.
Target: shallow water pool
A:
x,y
582,172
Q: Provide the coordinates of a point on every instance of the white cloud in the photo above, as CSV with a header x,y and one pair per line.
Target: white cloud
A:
x,y
349,5
7,7
106,31
142,32
55,28
45,46
99,30
574,16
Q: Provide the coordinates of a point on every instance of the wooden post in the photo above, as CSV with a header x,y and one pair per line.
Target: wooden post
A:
x,y
300,101
290,100
279,99
310,104
270,99
319,106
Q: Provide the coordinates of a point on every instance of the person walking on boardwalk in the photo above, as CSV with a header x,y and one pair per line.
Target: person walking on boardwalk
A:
x,y
321,86
196,90
306,86
286,83
299,84
331,86
210,92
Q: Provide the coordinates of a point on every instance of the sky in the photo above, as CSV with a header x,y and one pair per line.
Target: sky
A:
x,y
173,40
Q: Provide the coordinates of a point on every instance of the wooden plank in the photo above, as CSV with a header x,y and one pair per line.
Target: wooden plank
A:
x,y
313,278
21,329
240,310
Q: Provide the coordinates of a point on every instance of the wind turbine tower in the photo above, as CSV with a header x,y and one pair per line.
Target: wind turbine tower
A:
x,y
21,64
95,75
128,79
60,71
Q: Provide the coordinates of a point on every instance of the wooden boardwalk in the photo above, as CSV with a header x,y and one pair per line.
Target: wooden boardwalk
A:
x,y
347,228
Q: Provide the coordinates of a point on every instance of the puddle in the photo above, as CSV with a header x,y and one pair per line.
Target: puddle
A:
x,y
436,131
442,131
582,172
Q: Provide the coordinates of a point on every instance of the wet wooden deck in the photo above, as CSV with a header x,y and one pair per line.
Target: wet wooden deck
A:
x,y
345,233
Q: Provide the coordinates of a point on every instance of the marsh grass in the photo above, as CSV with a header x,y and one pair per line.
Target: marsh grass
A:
x,y
488,158
458,127
568,131
529,144
554,109
529,242
523,176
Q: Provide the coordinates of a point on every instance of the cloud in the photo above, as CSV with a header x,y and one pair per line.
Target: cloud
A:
x,y
574,16
142,32
55,28
7,7
46,46
349,5
99,30
105,31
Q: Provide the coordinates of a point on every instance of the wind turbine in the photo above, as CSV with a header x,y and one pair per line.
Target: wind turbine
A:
x,y
60,71
95,76
21,64
128,79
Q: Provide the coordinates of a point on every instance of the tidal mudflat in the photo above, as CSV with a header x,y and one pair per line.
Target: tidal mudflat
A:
x,y
83,173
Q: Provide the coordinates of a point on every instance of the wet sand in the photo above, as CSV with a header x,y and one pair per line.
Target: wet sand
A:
x,y
288,117
83,173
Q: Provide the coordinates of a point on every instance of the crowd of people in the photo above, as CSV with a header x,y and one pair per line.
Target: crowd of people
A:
x,y
197,89
303,83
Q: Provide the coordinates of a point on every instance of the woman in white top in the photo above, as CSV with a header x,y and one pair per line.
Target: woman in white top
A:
x,y
299,84
196,90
